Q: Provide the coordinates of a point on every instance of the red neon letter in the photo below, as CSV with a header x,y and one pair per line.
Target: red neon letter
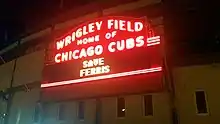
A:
x,y
65,56
122,25
140,41
121,45
110,49
79,33
74,54
67,40
129,27
90,51
60,44
98,25
73,36
57,60
138,26
98,50
130,43
110,23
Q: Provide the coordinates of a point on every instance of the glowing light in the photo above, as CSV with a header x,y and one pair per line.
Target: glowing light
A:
x,y
129,43
152,44
60,44
93,62
153,39
123,74
110,48
95,70
83,53
97,67
124,34
125,25
92,27
56,58
88,40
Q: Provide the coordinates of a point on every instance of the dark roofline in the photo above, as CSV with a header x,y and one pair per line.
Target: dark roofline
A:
x,y
196,59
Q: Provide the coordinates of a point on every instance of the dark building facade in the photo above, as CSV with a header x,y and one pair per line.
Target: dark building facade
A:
x,y
141,99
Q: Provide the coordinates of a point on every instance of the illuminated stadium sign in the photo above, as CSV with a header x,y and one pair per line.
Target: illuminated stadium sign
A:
x,y
108,47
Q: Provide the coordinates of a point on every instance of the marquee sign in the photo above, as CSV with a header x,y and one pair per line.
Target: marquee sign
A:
x,y
104,48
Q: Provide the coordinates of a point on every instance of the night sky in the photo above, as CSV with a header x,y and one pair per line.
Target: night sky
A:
x,y
193,27
190,26
18,15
